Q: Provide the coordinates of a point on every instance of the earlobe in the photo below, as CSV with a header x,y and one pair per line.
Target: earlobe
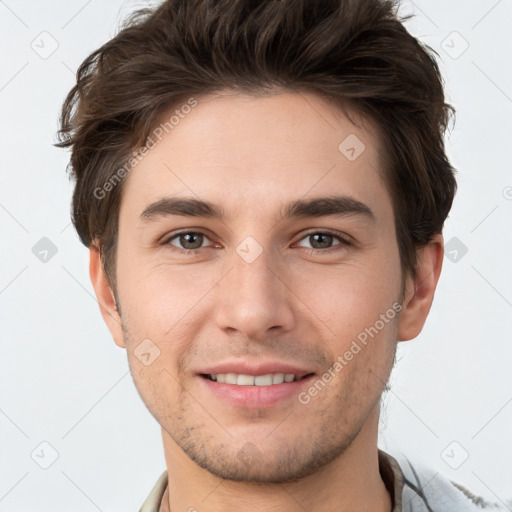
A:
x,y
105,296
419,292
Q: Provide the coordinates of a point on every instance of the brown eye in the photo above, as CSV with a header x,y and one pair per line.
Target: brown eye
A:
x,y
188,241
321,240
324,241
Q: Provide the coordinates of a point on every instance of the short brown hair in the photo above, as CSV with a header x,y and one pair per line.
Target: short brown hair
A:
x,y
354,52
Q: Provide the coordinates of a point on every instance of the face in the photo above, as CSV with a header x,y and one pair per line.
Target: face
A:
x,y
281,283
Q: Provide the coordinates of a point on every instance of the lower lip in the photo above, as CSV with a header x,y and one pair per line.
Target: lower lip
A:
x,y
255,397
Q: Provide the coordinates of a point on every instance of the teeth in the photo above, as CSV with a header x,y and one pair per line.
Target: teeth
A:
x,y
231,378
277,378
251,380
245,380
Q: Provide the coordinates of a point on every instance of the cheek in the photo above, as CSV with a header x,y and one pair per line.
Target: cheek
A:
x,y
161,307
158,338
352,297
154,297
158,384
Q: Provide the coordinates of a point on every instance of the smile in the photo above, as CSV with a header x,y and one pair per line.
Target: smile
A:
x,y
253,380
244,391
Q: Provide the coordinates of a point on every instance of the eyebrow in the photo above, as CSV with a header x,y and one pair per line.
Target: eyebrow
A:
x,y
336,205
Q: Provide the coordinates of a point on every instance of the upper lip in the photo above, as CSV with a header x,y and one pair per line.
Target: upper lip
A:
x,y
248,368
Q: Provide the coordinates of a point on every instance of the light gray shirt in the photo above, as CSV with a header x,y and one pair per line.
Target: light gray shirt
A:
x,y
412,488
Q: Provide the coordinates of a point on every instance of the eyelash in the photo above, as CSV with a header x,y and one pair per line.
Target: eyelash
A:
x,y
344,242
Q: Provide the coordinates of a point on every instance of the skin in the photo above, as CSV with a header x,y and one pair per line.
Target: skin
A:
x,y
252,155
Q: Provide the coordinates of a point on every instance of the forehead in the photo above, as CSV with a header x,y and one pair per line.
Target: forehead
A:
x,y
245,151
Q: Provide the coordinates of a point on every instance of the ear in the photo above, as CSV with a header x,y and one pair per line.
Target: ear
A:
x,y
419,293
105,296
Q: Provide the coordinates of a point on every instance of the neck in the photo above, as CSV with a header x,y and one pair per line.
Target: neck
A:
x,y
350,482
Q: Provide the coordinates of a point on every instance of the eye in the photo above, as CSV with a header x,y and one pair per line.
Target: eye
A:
x,y
189,241
322,241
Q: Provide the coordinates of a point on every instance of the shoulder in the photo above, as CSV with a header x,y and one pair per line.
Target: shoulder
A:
x,y
426,489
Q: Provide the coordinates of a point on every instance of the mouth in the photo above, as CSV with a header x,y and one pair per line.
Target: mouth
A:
x,y
269,379
243,391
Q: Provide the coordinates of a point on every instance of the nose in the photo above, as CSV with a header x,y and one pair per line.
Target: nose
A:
x,y
254,298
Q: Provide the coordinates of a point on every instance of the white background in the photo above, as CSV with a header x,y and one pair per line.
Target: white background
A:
x,y
63,380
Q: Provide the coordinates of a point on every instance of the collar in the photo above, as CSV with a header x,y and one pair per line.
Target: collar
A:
x,y
390,471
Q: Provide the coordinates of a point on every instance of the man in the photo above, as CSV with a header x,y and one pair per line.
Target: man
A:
x,y
262,187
